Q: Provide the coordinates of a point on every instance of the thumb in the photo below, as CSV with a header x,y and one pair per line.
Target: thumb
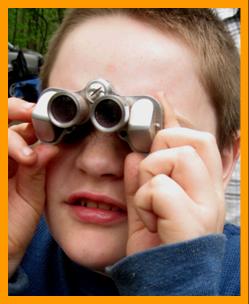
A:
x,y
131,179
138,216
139,237
131,171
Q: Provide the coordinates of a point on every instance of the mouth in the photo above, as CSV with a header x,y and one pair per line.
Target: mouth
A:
x,y
96,208
92,204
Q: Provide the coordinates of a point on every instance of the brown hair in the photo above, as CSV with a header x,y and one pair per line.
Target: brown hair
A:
x,y
204,33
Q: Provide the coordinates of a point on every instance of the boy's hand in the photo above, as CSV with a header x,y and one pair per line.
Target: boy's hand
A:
x,y
26,180
176,192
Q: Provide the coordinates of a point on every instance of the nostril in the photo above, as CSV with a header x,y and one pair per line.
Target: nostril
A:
x,y
110,176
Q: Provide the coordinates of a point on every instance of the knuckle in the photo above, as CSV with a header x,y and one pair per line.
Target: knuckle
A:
x,y
157,181
11,135
209,138
161,135
186,155
14,127
187,151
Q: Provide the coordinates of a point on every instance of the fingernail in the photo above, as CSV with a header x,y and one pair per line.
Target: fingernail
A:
x,y
26,151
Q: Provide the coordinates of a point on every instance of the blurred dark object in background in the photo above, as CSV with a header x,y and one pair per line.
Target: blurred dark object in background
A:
x,y
23,73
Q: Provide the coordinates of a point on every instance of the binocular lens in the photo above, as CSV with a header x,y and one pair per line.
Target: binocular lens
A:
x,y
108,113
63,108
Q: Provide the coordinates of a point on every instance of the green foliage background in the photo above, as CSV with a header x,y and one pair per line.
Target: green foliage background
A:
x,y
31,28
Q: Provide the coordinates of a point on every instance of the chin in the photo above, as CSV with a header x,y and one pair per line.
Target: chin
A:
x,y
95,262
91,246
96,257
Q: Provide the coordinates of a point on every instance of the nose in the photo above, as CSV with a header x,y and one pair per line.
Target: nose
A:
x,y
102,155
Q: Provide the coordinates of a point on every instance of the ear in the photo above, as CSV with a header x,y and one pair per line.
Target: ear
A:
x,y
230,155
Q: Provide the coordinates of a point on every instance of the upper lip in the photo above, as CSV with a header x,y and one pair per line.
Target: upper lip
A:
x,y
95,197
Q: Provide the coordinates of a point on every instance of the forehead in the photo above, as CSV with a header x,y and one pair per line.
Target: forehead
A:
x,y
136,57
117,46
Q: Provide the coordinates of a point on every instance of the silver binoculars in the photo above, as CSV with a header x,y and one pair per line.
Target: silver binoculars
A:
x,y
136,119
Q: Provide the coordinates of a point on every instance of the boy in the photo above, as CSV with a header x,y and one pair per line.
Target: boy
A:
x,y
123,222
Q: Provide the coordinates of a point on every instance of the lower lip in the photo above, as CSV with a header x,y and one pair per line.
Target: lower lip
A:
x,y
97,216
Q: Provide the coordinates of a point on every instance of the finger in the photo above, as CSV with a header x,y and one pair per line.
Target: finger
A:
x,y
26,131
19,109
203,142
184,166
161,198
131,168
19,150
131,181
170,119
31,178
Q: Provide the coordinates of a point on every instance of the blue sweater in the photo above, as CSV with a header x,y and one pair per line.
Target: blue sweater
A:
x,y
208,265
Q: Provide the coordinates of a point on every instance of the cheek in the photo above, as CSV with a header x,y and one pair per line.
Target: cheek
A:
x,y
54,171
55,174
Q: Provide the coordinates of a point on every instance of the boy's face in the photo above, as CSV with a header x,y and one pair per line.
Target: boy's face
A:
x,y
138,60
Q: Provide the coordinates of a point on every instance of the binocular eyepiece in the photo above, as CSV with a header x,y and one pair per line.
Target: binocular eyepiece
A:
x,y
135,118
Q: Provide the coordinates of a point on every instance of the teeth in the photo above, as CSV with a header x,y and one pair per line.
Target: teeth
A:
x,y
100,206
91,205
104,206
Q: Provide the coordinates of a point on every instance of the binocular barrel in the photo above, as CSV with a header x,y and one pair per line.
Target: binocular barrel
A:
x,y
68,109
110,113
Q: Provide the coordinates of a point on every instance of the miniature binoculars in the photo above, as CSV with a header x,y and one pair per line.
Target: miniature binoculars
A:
x,y
136,119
